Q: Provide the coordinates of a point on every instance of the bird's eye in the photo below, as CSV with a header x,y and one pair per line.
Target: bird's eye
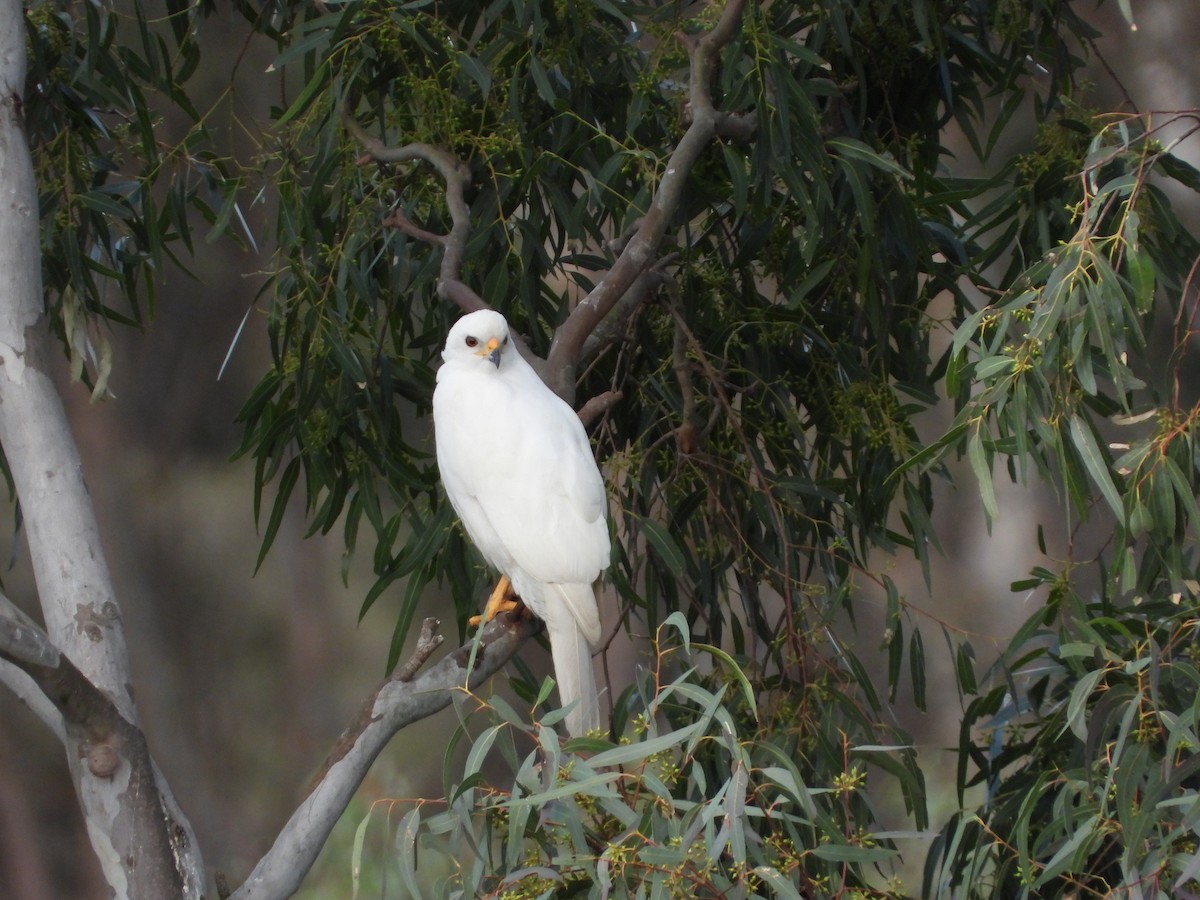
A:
x,y
506,340
472,342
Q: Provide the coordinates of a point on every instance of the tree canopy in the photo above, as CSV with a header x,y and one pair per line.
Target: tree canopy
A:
x,y
752,244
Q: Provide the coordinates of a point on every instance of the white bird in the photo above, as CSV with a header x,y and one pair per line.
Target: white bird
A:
x,y
519,471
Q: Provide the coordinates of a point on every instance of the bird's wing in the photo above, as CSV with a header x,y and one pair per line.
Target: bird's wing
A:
x,y
519,470
550,511
468,461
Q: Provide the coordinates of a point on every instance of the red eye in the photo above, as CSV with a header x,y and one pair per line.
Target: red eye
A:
x,y
472,342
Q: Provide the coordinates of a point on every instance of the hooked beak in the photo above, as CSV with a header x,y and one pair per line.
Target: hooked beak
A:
x,y
493,352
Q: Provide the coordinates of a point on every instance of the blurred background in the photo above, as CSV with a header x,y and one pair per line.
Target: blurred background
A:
x,y
245,680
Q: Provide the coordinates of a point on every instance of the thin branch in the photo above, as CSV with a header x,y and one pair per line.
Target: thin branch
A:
x,y
22,632
428,641
22,641
706,123
395,704
457,178
598,406
612,327
458,293
686,438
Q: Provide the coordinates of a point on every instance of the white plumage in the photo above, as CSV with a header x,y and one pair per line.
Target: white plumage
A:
x,y
519,471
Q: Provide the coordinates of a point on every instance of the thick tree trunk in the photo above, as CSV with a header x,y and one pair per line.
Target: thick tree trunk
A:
x,y
145,847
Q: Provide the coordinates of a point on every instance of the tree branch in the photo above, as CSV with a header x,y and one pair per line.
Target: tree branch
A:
x,y
457,179
598,406
17,679
110,754
638,253
395,704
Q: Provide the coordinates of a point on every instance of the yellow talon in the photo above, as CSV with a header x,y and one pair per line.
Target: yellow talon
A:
x,y
502,600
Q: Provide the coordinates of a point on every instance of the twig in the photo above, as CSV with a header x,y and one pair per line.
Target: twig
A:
x,y
611,328
428,641
598,406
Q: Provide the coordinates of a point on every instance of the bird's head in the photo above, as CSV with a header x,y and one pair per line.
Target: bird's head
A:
x,y
481,335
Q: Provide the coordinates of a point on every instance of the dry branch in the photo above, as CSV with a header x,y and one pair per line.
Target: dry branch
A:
x,y
395,704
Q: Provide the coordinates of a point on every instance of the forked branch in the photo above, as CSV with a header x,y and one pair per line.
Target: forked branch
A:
x,y
457,179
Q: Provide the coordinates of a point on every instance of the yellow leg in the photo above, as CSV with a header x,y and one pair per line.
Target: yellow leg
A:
x,y
502,600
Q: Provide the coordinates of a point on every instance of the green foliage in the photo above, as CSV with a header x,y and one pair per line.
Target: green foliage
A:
x,y
769,387
765,445
1088,753
1083,735
118,183
765,442
698,797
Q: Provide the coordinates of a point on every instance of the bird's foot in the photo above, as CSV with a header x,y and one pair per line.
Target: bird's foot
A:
x,y
502,600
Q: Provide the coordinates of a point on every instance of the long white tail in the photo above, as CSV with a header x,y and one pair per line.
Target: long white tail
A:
x,y
573,671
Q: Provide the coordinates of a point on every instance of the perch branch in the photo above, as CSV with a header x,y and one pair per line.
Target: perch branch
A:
x,y
706,123
457,179
395,704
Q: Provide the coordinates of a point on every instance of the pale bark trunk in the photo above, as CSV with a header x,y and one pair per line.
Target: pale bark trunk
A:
x,y
145,847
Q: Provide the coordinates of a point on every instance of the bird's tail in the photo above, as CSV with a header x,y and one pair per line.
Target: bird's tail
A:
x,y
573,670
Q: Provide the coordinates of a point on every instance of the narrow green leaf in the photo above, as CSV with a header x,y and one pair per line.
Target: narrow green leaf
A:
x,y
406,843
964,665
665,547
982,468
356,853
678,621
593,785
849,853
315,85
413,590
626,753
542,81
1183,490
780,886
477,71
994,366
1081,833
1081,695
931,454
732,668
1096,464
916,665
857,150
283,492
